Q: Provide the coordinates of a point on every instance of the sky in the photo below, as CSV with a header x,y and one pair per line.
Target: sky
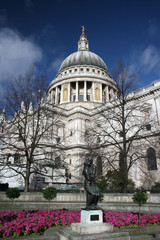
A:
x,y
42,33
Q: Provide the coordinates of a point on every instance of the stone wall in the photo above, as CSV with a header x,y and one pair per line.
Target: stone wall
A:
x,y
114,202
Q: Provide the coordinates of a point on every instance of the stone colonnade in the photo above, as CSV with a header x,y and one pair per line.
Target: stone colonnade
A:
x,y
82,91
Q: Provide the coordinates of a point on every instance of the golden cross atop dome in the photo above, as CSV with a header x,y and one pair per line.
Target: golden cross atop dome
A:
x,y
83,29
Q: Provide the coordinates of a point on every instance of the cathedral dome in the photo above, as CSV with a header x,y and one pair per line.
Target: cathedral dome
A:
x,y
83,77
83,57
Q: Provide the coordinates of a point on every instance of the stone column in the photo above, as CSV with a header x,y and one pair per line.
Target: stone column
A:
x,y
51,95
61,101
69,92
107,94
93,92
101,92
56,95
156,99
77,90
85,91
112,94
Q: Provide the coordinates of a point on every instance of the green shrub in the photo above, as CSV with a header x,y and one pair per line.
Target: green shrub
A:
x,y
156,187
130,185
50,193
101,183
101,197
12,193
114,180
140,198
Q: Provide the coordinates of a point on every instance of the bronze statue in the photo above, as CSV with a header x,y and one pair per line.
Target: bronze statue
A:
x,y
93,192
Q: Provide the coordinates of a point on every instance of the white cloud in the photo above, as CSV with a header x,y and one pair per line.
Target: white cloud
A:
x,y
55,65
17,54
132,68
153,28
146,60
150,58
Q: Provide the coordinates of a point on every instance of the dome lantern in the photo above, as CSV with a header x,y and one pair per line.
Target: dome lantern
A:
x,y
83,44
83,56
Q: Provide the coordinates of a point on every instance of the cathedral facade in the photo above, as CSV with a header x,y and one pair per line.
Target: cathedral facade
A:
x,y
79,92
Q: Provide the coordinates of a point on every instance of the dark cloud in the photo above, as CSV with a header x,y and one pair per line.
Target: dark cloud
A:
x,y
3,17
153,28
28,3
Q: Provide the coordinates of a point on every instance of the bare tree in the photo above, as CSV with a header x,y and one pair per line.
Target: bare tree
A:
x,y
119,131
30,132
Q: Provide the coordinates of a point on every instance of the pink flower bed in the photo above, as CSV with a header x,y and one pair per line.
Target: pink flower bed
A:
x,y
23,223
123,219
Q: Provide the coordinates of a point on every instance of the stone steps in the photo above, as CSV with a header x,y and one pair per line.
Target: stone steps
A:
x,y
146,233
142,237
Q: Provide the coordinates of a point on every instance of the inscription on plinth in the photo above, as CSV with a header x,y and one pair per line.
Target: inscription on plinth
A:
x,y
94,217
91,216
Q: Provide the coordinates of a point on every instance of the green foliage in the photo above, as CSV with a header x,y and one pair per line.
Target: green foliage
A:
x,y
101,183
101,197
130,185
140,198
156,187
12,193
50,193
114,180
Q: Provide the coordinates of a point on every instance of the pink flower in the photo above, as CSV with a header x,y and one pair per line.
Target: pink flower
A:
x,y
29,222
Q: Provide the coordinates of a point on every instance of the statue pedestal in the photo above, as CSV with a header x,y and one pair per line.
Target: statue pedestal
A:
x,y
91,222
91,227
91,216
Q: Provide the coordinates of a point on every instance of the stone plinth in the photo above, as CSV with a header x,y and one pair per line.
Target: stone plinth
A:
x,y
91,216
91,222
66,233
91,227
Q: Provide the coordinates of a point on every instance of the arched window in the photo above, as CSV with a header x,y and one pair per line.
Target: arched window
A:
x,y
98,139
151,159
16,158
65,93
97,93
99,166
57,162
